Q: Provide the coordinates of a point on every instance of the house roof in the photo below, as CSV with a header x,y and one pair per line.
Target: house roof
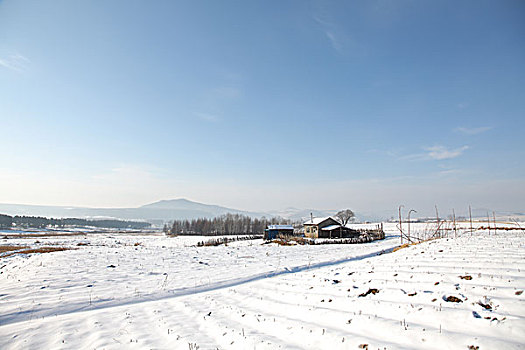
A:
x,y
280,227
331,227
317,221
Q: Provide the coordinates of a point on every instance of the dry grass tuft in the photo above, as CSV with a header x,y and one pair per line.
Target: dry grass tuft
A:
x,y
44,250
453,299
288,241
370,291
27,250
41,235
226,240
406,245
10,248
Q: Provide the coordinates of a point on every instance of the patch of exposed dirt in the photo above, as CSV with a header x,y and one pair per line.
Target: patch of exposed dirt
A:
x,y
370,291
10,248
39,235
453,299
27,250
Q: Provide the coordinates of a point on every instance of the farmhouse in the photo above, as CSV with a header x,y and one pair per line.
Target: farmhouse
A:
x,y
274,230
327,228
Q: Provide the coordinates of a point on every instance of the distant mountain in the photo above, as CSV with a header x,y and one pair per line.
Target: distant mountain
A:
x,y
180,209
186,209
185,204
157,212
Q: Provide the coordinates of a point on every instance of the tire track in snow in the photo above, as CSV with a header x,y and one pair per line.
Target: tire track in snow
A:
x,y
25,315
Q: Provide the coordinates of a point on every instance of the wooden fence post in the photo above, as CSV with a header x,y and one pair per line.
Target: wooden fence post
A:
x,y
455,230
437,218
470,214
488,222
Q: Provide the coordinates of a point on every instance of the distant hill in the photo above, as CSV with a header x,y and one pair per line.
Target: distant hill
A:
x,y
185,204
180,209
157,212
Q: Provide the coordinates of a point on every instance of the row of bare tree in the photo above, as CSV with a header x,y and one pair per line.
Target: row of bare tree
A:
x,y
228,224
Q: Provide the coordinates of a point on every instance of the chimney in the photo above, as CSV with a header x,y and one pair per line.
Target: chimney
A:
x,y
312,217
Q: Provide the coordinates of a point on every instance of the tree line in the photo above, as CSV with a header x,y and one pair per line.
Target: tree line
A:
x,y
7,221
228,224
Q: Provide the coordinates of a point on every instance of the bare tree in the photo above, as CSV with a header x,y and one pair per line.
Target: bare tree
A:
x,y
344,216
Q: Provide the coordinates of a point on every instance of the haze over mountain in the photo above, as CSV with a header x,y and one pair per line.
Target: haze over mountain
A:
x,y
177,209
160,211
157,212
163,210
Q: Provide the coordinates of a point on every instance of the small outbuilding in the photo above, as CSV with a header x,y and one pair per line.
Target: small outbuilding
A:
x,y
327,228
275,230
338,231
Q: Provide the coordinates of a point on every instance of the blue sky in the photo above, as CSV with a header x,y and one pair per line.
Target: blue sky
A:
x,y
263,105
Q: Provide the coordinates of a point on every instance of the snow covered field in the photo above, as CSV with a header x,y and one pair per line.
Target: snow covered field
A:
x,y
154,292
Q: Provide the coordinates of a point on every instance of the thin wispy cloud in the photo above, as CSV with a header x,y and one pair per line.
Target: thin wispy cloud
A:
x,y
472,131
15,62
437,152
207,117
336,44
127,172
449,172
227,92
329,31
441,152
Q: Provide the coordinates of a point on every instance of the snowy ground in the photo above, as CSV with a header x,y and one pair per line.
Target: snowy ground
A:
x,y
153,292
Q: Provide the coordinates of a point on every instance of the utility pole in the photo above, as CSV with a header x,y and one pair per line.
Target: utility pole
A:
x,y
411,210
401,224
